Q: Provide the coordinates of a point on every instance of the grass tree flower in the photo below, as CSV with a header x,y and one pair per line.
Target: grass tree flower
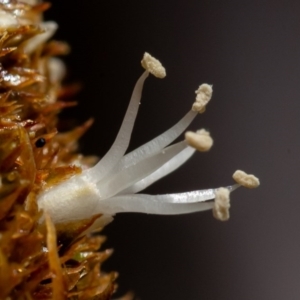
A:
x,y
50,257
113,184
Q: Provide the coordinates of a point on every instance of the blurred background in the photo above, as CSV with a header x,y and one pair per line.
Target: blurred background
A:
x,y
250,51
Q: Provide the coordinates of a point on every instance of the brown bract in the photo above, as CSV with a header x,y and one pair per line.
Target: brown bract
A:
x,y
40,261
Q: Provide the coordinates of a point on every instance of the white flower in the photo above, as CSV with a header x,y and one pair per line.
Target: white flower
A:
x,y
111,186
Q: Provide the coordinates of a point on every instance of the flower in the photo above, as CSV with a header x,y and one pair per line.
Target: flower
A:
x,y
113,184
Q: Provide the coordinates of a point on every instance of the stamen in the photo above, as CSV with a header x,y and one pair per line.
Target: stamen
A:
x,y
157,144
169,204
153,66
221,204
204,94
247,180
122,140
200,140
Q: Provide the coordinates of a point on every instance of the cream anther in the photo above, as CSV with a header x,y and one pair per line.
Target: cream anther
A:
x,y
153,66
221,204
200,140
247,180
204,94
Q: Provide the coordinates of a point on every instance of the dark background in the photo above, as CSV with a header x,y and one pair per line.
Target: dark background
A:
x,y
250,52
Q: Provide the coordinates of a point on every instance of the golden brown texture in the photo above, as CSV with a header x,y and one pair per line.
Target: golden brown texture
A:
x,y
39,261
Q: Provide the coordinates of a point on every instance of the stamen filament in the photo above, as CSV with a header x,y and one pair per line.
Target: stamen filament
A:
x,y
142,203
122,140
126,177
166,169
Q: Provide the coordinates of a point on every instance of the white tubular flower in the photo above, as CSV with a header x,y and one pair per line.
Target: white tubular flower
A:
x,y
110,186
